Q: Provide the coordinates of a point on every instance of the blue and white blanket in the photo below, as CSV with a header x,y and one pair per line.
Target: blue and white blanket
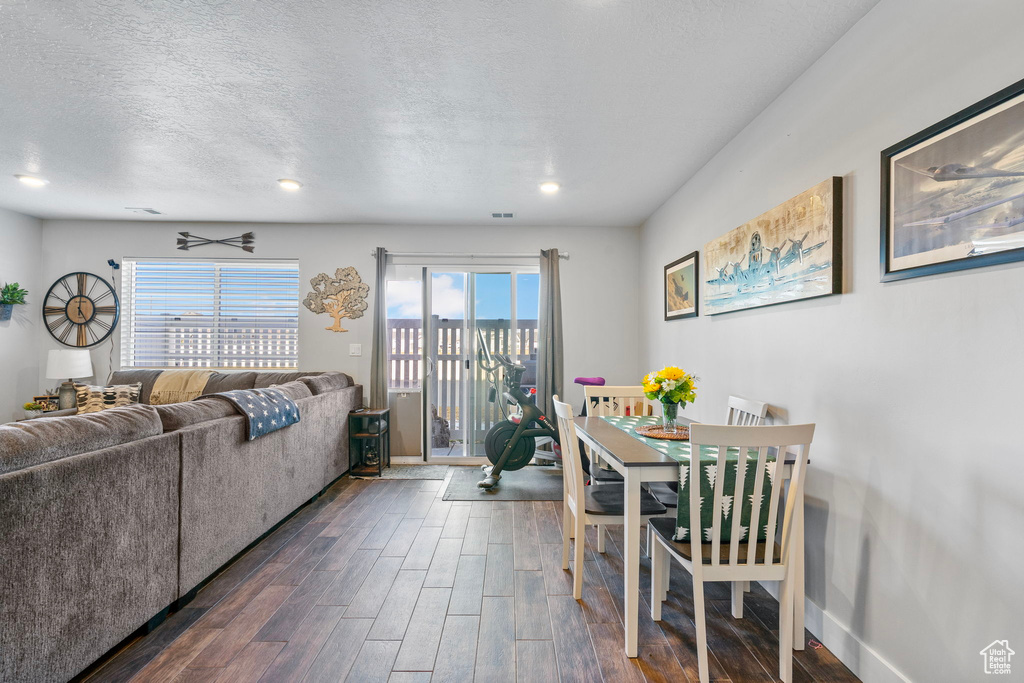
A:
x,y
264,410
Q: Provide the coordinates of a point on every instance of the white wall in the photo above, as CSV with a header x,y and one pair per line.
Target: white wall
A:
x,y
598,292
915,506
20,239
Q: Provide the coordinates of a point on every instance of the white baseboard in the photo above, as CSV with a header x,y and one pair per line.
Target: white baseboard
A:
x,y
868,665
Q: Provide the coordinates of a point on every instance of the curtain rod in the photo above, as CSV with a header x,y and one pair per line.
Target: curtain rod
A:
x,y
452,254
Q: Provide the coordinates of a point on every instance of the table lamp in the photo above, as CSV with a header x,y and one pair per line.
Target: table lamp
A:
x,y
68,364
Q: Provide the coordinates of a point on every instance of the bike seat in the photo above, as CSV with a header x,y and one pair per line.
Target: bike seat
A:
x,y
589,381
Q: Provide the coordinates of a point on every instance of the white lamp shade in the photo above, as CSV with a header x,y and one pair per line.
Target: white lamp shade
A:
x,y
68,364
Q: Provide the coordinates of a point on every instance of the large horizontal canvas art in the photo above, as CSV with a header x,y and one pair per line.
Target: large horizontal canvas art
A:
x,y
790,253
953,195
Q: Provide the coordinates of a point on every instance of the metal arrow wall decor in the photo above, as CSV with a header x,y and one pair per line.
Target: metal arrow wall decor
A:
x,y
243,242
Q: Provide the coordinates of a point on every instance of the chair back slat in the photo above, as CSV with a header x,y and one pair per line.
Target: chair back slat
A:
x,y
796,496
705,438
755,505
608,401
737,507
773,505
572,464
745,412
716,505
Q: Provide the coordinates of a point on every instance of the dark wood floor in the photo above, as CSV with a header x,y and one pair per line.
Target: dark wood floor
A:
x,y
385,581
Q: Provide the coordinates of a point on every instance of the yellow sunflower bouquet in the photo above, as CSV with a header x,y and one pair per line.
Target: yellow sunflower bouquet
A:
x,y
670,385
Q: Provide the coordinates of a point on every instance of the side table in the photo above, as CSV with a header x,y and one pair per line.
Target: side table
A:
x,y
369,439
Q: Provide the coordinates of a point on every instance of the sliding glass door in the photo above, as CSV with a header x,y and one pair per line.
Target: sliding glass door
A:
x,y
434,352
468,307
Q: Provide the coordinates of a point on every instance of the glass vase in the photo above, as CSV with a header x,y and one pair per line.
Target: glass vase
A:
x,y
670,411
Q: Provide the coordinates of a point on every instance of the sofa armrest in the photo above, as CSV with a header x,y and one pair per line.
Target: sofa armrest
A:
x,y
90,553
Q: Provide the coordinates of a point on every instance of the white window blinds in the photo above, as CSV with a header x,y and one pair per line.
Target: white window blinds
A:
x,y
209,313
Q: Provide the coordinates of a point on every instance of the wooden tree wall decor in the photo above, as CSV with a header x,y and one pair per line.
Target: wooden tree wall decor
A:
x,y
341,296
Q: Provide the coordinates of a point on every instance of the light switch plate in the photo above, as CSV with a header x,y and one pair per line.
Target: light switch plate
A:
x,y
355,349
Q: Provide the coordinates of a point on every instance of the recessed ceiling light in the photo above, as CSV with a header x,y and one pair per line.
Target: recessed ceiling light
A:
x,y
289,184
550,187
31,180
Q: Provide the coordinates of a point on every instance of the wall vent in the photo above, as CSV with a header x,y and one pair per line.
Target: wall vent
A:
x,y
502,215
142,209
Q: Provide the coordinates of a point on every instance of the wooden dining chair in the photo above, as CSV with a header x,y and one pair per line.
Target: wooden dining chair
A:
x,y
746,556
745,412
614,401
602,505
603,401
742,412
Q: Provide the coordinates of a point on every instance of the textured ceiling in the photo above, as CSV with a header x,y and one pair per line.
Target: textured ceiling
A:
x,y
438,111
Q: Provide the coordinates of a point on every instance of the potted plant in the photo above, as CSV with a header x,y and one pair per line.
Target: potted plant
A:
x,y
671,386
10,295
33,409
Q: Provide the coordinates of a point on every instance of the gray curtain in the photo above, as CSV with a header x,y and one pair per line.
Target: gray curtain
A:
x,y
550,363
379,357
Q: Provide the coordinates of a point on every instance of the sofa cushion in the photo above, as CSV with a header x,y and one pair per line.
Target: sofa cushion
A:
x,y
229,381
179,385
294,390
93,399
132,375
175,416
328,381
269,379
34,442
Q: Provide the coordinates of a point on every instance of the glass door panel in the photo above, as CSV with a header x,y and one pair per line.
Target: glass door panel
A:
x,y
492,317
405,334
448,296
462,304
405,358
526,338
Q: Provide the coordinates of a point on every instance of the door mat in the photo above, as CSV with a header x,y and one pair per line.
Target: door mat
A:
x,y
412,472
529,483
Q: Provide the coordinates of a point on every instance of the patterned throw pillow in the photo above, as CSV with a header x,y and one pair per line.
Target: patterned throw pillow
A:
x,y
93,399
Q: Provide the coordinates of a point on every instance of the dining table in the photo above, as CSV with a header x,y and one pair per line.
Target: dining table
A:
x,y
639,462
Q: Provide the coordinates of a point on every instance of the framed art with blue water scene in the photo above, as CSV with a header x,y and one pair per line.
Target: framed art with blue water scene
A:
x,y
788,253
681,288
953,194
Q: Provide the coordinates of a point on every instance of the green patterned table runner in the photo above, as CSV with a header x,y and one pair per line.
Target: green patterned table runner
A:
x,y
680,452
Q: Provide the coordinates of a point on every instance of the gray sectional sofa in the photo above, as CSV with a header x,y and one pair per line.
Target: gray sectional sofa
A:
x,y
109,518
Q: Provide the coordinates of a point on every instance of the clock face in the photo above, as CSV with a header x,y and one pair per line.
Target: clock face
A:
x,y
81,309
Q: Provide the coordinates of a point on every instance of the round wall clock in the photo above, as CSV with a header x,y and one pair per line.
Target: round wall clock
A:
x,y
81,309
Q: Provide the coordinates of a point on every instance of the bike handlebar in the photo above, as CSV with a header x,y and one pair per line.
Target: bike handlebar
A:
x,y
502,361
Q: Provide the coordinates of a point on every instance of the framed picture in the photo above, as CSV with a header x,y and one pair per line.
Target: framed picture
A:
x,y
48,402
681,289
792,252
953,194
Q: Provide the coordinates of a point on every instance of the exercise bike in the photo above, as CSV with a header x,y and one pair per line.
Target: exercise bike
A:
x,y
511,443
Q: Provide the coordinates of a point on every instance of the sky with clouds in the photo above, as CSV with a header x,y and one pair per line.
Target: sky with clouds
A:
x,y
448,296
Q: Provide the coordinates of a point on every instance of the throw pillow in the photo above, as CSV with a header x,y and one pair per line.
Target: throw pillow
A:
x,y
93,399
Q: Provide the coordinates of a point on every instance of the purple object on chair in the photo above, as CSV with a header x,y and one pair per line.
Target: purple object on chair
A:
x,y
590,381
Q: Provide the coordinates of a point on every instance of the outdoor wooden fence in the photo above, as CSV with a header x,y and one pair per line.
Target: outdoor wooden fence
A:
x,y
451,378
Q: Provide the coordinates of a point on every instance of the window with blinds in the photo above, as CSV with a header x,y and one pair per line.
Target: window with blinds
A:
x,y
209,313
